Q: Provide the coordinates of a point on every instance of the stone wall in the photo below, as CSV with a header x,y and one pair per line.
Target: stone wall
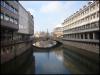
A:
x,y
92,47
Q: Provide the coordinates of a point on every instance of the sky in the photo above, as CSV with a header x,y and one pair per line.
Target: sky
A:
x,y
50,14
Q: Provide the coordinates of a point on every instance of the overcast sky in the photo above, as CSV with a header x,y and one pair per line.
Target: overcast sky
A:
x,y
50,14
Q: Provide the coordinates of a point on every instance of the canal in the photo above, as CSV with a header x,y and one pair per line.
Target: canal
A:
x,y
59,60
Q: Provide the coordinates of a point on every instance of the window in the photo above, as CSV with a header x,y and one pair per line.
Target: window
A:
x,y
97,24
92,7
16,21
84,27
15,11
2,15
81,36
86,18
11,8
87,10
83,12
94,15
98,14
83,19
12,19
94,24
2,3
91,36
87,26
6,17
97,3
85,36
7,5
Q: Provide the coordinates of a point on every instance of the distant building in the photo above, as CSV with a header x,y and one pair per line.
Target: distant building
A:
x,y
42,34
58,32
37,34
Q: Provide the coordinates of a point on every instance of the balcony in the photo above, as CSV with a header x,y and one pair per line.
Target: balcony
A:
x,y
82,40
9,24
82,31
13,42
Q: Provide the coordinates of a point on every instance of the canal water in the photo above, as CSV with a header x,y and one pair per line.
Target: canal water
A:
x,y
49,63
57,61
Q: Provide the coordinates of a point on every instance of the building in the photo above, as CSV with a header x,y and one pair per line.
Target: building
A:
x,y
9,27
31,23
17,27
26,23
36,34
58,32
82,28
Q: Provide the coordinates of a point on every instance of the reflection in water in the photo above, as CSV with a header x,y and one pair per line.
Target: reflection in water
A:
x,y
78,63
28,67
59,61
51,65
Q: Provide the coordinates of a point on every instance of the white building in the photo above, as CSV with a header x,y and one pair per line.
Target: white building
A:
x,y
82,28
58,32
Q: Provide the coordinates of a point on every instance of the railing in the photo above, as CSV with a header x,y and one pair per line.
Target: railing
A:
x,y
82,40
84,28
82,31
12,42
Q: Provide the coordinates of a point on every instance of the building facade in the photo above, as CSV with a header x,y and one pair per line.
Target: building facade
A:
x,y
31,23
82,28
26,23
58,32
9,27
14,41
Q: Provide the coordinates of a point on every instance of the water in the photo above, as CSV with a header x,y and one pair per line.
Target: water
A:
x,y
59,61
49,63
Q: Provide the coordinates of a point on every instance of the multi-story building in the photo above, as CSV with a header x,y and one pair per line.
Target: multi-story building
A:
x,y
17,26
26,23
82,28
31,23
58,32
36,34
9,27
